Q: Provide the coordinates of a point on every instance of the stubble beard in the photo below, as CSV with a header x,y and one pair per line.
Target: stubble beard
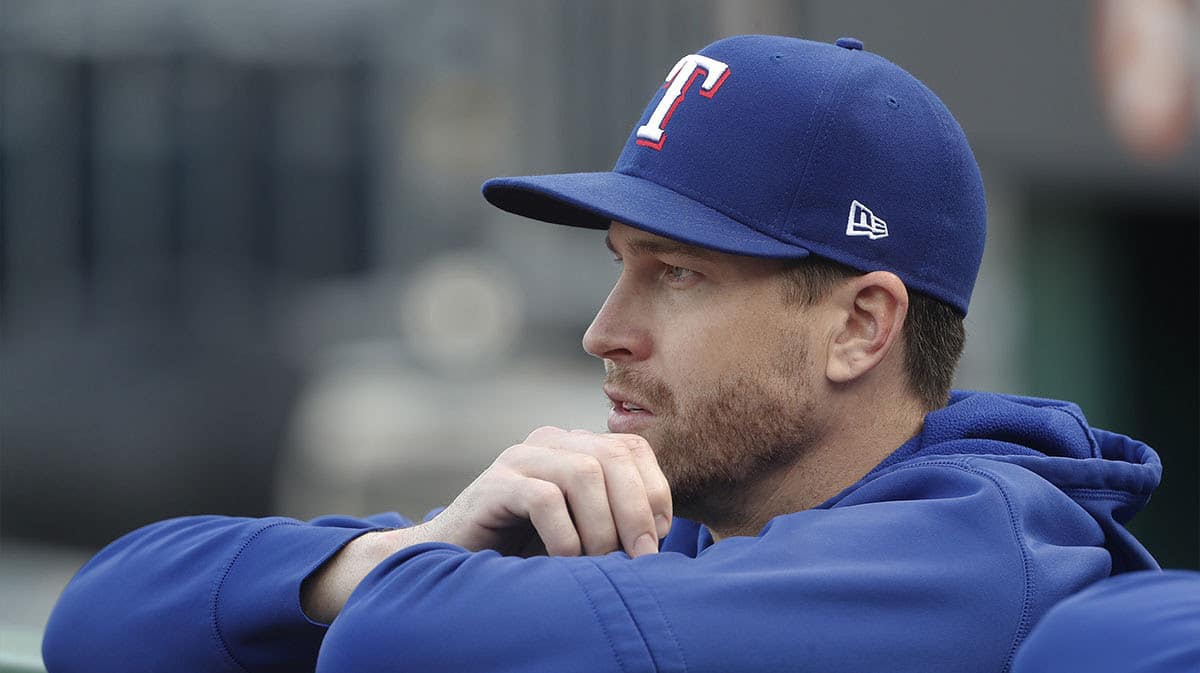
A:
x,y
726,440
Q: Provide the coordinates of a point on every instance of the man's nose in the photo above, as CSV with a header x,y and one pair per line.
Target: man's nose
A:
x,y
617,333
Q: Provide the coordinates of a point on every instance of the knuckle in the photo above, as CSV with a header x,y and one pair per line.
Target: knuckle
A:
x,y
544,495
589,469
496,473
614,448
512,455
640,515
659,494
543,432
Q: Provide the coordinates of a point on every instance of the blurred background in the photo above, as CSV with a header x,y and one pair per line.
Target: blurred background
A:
x,y
245,267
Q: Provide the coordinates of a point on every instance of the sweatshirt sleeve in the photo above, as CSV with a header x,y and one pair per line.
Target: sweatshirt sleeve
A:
x,y
934,567
199,594
939,568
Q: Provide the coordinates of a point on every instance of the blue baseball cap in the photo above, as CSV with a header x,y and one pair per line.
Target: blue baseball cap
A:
x,y
778,147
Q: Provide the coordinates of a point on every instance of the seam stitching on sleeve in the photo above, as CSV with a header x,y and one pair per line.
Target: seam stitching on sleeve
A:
x,y
637,625
1026,602
596,613
666,621
220,585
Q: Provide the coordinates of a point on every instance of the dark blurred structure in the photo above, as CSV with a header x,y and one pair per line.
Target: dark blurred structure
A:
x,y
160,200
203,204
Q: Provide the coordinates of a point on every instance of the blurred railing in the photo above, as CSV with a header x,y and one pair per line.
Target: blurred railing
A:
x,y
20,651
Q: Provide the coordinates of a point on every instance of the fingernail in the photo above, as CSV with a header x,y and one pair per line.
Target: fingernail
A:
x,y
646,544
663,524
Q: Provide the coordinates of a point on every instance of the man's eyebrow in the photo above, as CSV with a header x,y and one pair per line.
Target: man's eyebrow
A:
x,y
649,246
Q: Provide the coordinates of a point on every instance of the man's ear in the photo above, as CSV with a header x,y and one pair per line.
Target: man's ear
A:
x,y
871,315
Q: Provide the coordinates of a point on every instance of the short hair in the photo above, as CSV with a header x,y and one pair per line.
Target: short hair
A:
x,y
933,330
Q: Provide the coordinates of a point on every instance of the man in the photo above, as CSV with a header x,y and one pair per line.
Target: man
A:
x,y
799,227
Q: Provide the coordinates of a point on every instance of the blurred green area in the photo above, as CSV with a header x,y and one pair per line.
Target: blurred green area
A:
x,y
1113,318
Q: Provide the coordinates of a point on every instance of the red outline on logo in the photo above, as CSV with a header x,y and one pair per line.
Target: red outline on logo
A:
x,y
713,91
679,99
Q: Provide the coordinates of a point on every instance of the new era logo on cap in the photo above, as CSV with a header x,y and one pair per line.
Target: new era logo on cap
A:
x,y
862,222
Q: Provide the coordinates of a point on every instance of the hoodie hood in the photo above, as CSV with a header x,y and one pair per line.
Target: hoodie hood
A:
x,y
1107,474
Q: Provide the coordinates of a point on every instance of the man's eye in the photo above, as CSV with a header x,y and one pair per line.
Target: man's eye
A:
x,y
678,273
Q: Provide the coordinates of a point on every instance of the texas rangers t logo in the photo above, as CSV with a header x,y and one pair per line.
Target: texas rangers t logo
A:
x,y
679,80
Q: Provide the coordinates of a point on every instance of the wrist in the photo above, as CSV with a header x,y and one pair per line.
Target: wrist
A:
x,y
325,591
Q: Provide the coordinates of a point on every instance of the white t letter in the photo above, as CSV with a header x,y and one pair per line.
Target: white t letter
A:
x,y
680,80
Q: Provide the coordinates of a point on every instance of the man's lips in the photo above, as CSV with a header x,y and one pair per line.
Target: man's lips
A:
x,y
626,403
628,414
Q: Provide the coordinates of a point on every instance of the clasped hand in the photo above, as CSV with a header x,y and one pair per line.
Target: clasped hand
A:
x,y
563,493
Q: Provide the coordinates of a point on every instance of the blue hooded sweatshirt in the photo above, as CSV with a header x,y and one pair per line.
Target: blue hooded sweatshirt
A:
x,y
940,559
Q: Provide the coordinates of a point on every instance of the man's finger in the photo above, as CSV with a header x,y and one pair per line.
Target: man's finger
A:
x,y
628,501
658,490
546,508
627,498
581,478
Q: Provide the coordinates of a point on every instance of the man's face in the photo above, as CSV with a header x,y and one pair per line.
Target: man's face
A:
x,y
708,362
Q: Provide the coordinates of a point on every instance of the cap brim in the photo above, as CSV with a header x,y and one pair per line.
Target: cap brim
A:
x,y
593,200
